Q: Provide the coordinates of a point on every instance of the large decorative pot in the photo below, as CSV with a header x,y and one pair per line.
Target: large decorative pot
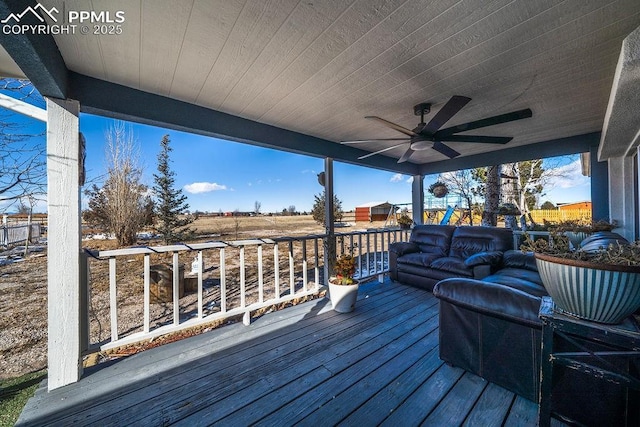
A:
x,y
602,293
343,297
576,237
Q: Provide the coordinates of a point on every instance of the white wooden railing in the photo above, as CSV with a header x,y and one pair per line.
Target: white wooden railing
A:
x,y
285,269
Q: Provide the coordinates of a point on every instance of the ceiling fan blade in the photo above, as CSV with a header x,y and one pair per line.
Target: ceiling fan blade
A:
x,y
393,125
447,151
360,141
478,138
455,104
406,155
490,121
380,151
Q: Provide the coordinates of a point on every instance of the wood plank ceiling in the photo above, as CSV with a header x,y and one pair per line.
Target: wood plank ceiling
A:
x,y
318,67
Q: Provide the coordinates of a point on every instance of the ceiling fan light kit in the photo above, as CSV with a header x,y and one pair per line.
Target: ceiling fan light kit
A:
x,y
429,135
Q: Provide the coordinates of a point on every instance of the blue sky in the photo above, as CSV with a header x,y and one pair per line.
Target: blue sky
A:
x,y
222,175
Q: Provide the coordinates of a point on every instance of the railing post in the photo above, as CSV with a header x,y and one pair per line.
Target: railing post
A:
x,y
292,272
243,285
260,275
200,272
113,299
276,271
147,292
5,231
304,266
176,289
316,266
223,282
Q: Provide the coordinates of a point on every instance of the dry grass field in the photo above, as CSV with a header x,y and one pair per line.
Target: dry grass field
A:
x,y
23,290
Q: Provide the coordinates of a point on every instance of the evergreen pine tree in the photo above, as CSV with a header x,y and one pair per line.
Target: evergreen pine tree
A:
x,y
171,204
318,208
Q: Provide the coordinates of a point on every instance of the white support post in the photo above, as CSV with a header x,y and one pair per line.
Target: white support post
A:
x,y
64,233
621,195
417,199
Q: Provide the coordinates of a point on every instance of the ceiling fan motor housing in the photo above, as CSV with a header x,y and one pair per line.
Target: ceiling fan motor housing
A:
x,y
421,144
421,109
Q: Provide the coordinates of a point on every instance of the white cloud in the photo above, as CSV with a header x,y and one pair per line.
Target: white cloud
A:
x,y
410,179
396,178
569,176
203,187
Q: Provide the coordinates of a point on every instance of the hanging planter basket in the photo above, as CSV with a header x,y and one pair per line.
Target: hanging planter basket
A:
x,y
438,189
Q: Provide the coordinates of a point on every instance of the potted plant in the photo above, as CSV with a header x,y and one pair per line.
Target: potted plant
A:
x,y
577,230
598,282
404,221
438,189
343,288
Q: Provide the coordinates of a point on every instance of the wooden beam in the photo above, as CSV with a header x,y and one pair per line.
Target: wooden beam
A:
x,y
63,240
37,55
541,150
124,103
21,107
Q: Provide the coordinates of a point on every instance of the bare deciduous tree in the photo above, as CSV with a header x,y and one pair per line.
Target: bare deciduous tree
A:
x,y
22,149
122,206
462,184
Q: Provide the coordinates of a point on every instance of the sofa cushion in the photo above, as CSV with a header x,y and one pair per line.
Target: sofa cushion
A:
x,y
519,259
524,280
467,241
484,258
418,258
435,239
452,265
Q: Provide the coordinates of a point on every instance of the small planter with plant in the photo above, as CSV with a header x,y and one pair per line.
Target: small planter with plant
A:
x,y
343,288
600,281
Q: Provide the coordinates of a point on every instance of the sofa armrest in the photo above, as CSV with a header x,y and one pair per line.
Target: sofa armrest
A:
x,y
396,250
402,248
492,299
484,258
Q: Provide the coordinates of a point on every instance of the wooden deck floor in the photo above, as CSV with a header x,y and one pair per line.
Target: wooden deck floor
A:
x,y
305,365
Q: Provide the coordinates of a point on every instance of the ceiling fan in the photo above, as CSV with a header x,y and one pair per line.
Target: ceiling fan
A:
x,y
429,135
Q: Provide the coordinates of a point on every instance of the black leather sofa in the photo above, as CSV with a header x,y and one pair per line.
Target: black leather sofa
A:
x,y
491,327
436,252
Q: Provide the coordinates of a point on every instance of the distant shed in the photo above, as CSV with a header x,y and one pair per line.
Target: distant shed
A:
x,y
374,211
